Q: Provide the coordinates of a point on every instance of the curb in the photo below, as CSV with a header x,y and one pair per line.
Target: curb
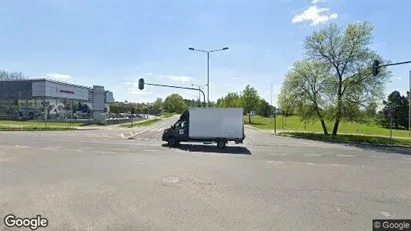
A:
x,y
352,142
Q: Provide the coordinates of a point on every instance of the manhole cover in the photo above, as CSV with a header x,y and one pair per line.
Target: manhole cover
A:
x,y
171,180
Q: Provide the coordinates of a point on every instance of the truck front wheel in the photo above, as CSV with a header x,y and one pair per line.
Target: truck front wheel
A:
x,y
172,141
221,143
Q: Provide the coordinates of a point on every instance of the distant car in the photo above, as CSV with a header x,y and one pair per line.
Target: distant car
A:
x,y
29,113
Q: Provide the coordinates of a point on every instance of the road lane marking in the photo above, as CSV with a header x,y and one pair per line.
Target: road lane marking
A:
x,y
310,163
121,149
312,155
345,155
278,154
380,157
21,146
51,148
385,214
159,130
153,130
151,150
78,150
104,152
406,158
147,139
85,148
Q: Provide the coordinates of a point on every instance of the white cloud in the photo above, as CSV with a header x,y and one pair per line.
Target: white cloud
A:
x,y
180,78
138,92
58,76
315,15
235,78
317,1
399,77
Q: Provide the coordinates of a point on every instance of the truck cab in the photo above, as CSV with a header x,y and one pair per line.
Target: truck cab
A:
x,y
177,132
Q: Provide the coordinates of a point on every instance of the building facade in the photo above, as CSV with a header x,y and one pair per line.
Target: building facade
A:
x,y
40,99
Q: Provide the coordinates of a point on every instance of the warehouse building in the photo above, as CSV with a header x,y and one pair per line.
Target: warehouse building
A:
x,y
40,99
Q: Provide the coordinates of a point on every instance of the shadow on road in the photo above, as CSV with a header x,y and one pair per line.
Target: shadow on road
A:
x,y
237,150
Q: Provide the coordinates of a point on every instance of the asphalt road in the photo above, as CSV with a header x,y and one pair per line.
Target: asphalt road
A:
x,y
127,179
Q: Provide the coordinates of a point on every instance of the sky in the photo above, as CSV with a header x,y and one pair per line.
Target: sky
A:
x,y
114,43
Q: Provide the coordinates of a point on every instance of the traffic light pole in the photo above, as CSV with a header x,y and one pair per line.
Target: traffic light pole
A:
x,y
187,88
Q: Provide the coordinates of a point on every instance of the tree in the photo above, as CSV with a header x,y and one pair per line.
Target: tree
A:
x,y
371,110
157,106
348,54
232,99
174,104
4,75
250,100
264,108
399,105
306,90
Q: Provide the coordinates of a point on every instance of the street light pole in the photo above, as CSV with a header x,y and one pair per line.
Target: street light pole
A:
x,y
208,79
208,68
409,105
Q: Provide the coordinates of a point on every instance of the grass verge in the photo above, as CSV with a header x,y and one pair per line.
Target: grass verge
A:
x,y
168,115
293,123
10,125
348,138
35,128
141,123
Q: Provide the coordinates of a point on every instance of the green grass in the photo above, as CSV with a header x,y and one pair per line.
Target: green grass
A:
x,y
34,128
293,123
141,123
168,115
349,138
11,125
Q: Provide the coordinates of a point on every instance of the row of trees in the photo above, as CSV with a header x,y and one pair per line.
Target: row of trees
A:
x,y
5,75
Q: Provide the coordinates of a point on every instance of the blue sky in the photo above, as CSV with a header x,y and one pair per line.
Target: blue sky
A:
x,y
114,43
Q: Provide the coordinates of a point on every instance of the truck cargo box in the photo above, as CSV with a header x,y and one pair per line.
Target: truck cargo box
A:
x,y
225,123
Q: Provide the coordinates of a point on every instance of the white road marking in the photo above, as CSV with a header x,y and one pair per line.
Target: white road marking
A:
x,y
159,130
153,130
312,155
147,139
78,150
104,152
51,148
85,148
406,158
345,155
385,214
380,157
21,146
310,163
278,154
151,150
121,149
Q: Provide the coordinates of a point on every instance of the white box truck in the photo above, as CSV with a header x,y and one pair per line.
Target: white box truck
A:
x,y
219,125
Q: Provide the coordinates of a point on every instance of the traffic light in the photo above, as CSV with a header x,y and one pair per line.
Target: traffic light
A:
x,y
141,84
375,67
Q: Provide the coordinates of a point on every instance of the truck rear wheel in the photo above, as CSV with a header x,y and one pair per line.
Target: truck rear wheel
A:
x,y
221,143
